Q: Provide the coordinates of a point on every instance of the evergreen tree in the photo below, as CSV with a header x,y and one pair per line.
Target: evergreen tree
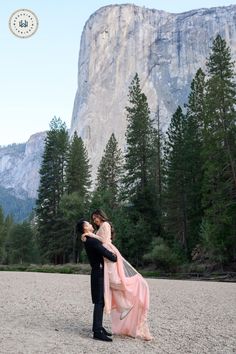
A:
x,y
52,186
138,182
5,228
219,154
75,203
175,185
193,157
2,233
109,176
78,168
139,138
72,208
19,244
157,175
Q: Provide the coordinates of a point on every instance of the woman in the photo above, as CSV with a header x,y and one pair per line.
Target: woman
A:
x,y
126,293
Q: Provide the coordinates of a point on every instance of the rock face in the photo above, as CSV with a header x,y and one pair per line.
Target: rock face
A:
x,y
19,166
165,49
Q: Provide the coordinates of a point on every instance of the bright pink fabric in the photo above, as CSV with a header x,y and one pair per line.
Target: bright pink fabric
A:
x,y
124,288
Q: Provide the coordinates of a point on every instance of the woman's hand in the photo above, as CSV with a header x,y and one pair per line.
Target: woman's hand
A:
x,y
83,236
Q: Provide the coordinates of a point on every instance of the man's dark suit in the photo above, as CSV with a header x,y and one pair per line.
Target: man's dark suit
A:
x,y
95,252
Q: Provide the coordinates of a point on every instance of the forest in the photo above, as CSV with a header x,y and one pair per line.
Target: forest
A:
x,y
171,196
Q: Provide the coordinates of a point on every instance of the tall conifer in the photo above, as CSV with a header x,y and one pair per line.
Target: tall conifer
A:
x,y
175,185
109,176
219,153
78,175
193,155
52,186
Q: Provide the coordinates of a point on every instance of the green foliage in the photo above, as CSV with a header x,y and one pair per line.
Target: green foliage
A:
x,y
175,188
48,268
83,256
63,194
78,168
219,154
142,179
139,139
213,241
183,190
75,204
109,174
162,255
2,233
193,145
51,188
5,227
157,174
19,246
72,208
133,234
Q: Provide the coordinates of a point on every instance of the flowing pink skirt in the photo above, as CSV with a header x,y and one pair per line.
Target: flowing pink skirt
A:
x,y
126,291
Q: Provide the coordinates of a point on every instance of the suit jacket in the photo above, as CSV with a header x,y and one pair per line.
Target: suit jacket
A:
x,y
95,252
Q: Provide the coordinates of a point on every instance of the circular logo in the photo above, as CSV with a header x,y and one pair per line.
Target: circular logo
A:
x,y
23,23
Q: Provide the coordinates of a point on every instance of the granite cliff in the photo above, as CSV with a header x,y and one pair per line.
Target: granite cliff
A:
x,y
117,41
19,167
165,49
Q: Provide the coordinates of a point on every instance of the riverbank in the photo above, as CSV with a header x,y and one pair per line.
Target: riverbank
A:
x,y
52,313
84,269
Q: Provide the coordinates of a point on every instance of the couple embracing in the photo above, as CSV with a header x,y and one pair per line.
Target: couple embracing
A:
x,y
116,287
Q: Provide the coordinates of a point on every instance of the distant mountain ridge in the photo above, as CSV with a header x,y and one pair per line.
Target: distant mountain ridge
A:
x,y
20,209
19,166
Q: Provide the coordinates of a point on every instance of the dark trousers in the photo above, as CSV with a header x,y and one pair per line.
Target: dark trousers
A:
x,y
98,315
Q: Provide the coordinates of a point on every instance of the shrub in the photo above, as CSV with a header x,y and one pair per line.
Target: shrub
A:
x,y
162,255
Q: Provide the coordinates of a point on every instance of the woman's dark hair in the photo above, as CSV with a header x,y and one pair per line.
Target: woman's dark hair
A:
x,y
103,217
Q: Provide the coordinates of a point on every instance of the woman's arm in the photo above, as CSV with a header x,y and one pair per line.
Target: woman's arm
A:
x,y
103,251
83,237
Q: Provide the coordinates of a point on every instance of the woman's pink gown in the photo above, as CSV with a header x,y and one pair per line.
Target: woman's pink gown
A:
x,y
125,291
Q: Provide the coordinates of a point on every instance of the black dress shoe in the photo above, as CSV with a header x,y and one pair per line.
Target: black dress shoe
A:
x,y
101,336
106,332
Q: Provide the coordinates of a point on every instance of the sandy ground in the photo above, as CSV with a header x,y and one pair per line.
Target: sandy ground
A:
x,y
52,313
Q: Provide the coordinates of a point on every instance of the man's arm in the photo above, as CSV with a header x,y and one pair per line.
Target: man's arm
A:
x,y
97,245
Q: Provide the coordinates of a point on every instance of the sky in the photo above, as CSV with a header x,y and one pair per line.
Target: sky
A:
x,y
38,75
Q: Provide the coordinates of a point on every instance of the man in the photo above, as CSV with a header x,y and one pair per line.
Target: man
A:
x,y
95,252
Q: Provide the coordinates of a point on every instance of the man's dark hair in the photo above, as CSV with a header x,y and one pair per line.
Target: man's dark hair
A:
x,y
80,226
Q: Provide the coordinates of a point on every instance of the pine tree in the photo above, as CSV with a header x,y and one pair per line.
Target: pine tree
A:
x,y
8,224
78,168
175,185
19,244
72,208
157,175
52,186
2,233
139,138
138,182
109,176
219,153
193,155
75,203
